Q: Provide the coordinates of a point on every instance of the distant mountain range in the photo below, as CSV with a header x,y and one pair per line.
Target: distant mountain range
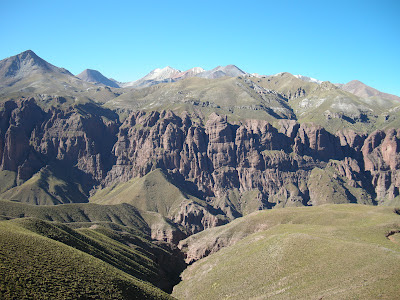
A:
x,y
27,63
226,89
166,74
169,74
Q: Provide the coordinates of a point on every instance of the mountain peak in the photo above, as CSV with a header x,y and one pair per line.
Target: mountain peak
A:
x,y
156,76
231,67
25,64
168,68
355,81
96,77
221,71
28,52
362,90
161,74
29,56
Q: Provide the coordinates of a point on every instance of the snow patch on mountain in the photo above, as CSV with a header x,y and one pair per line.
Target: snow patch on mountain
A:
x,y
308,79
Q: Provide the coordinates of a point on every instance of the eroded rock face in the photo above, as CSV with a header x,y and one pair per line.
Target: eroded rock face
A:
x,y
31,138
381,153
210,156
77,140
266,167
195,218
252,156
18,121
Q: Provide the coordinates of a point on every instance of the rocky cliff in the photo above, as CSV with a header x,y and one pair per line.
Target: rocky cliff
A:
x,y
265,166
76,139
382,161
236,168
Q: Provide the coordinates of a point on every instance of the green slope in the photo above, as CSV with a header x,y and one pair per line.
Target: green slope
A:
x,y
238,98
329,106
119,217
124,214
117,234
8,179
35,265
152,192
156,192
325,252
47,187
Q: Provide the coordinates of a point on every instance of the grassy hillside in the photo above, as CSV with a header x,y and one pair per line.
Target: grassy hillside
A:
x,y
36,264
331,107
237,97
124,214
392,202
152,192
156,192
328,252
46,187
7,180
120,217
52,84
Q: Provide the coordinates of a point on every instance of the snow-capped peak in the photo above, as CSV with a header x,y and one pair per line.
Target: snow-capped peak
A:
x,y
161,74
196,70
308,79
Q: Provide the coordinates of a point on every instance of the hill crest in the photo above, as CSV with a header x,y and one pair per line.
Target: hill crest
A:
x,y
96,77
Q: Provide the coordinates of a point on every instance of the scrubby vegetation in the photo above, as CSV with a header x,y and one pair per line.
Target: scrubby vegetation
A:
x,y
112,244
35,266
123,214
328,252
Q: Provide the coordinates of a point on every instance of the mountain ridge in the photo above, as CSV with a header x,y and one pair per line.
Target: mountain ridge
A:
x,y
10,66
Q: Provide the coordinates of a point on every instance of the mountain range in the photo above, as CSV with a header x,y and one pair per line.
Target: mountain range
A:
x,y
169,74
177,184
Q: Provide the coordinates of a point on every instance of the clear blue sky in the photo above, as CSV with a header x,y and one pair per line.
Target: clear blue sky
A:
x,y
329,40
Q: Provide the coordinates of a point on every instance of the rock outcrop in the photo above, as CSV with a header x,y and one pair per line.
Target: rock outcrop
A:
x,y
31,138
252,156
236,168
381,152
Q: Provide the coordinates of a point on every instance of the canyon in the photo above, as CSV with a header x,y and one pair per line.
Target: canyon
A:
x,y
148,177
